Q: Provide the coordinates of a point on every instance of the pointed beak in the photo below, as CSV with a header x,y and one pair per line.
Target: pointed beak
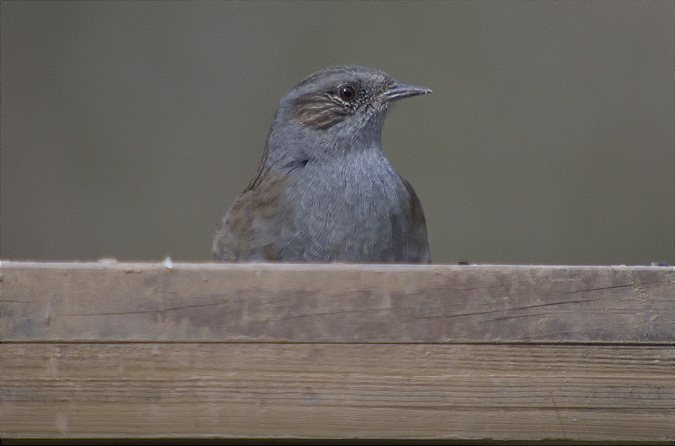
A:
x,y
400,91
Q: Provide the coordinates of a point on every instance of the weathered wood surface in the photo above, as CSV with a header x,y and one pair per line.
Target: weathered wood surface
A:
x,y
337,351
336,303
524,392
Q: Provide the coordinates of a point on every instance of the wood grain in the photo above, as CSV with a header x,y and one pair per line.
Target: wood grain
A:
x,y
336,303
522,392
259,351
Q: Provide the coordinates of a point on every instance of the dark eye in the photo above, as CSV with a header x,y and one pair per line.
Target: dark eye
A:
x,y
347,93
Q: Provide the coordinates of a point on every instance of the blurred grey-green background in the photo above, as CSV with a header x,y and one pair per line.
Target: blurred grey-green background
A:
x,y
128,128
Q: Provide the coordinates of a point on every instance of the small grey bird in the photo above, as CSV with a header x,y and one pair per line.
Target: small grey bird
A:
x,y
324,190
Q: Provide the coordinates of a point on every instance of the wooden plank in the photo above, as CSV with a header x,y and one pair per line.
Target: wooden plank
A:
x,y
336,351
336,303
310,390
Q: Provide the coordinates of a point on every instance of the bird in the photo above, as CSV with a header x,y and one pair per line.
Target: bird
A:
x,y
324,190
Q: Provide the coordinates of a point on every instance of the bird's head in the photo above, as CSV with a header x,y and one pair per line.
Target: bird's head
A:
x,y
335,111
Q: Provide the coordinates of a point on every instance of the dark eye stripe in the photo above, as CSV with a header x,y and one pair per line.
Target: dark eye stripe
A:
x,y
318,111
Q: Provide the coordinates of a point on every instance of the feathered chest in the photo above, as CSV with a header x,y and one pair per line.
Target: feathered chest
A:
x,y
356,192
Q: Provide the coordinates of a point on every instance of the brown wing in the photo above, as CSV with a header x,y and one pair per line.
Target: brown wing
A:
x,y
251,228
417,240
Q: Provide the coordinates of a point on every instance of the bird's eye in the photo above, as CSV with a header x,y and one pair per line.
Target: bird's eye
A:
x,y
346,93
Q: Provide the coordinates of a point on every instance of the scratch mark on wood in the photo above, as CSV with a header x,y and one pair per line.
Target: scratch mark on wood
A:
x,y
630,285
527,307
557,413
